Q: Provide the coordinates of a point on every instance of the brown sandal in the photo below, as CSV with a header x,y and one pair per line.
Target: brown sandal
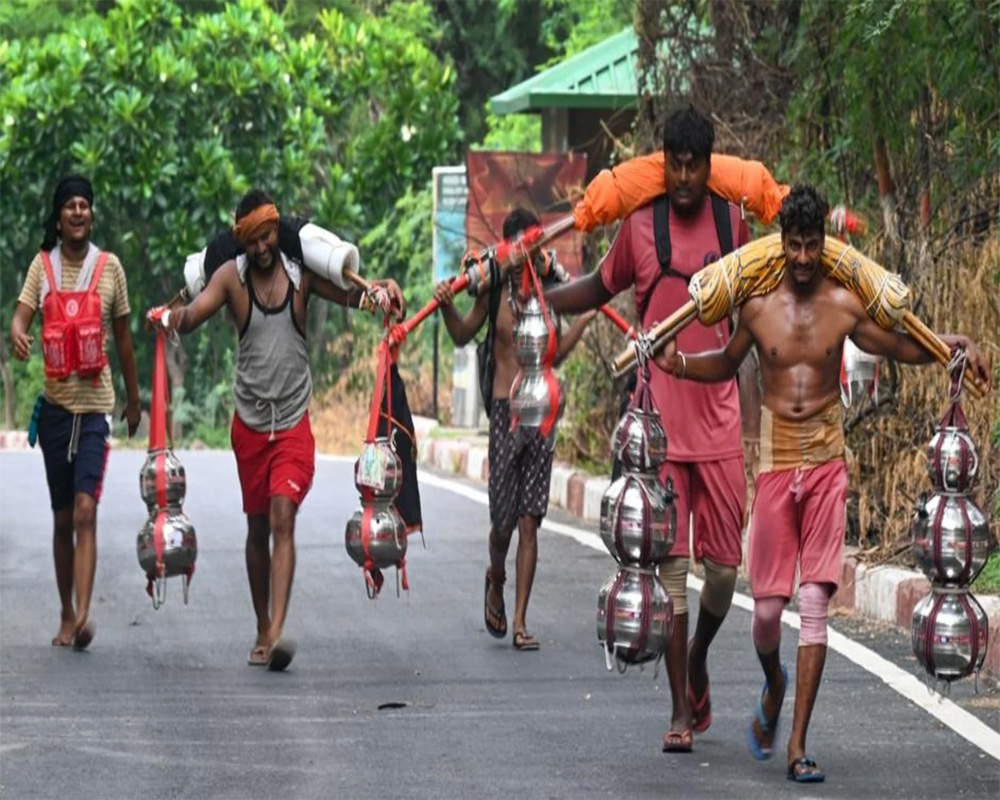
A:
x,y
525,641
495,618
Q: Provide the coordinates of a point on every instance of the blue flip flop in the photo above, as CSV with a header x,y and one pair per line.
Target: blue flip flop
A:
x,y
767,726
814,774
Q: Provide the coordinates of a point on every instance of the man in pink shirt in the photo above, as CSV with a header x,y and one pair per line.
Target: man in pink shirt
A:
x,y
657,250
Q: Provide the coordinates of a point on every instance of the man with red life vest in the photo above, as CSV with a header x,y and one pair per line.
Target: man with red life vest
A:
x,y
658,248
267,297
520,465
82,295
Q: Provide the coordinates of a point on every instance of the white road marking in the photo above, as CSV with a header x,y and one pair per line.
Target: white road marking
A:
x,y
909,686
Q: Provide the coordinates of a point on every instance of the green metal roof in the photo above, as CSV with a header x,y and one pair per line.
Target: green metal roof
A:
x,y
602,76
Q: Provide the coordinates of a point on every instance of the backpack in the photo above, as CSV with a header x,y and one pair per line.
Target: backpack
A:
x,y
661,234
485,359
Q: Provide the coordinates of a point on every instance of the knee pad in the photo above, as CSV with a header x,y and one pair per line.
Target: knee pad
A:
x,y
717,593
814,604
766,626
673,578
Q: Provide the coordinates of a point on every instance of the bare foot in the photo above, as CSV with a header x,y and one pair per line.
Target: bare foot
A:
x,y
65,636
259,652
83,632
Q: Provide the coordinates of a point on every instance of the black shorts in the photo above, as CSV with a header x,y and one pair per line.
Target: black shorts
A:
x,y
75,448
520,470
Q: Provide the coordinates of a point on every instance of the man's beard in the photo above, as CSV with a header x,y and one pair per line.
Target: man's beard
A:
x,y
256,264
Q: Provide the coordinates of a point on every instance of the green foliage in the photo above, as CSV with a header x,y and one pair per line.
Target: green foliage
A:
x,y
572,26
567,28
173,114
28,377
862,74
520,133
988,581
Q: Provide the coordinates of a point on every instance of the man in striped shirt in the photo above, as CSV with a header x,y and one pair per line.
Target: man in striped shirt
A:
x,y
74,412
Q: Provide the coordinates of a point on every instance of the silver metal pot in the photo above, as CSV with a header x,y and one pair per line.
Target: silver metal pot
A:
x,y
180,545
860,370
951,539
387,537
378,472
174,479
530,396
531,334
639,441
634,618
950,632
638,519
952,460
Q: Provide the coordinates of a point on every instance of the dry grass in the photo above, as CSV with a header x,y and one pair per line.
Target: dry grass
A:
x,y
889,468
340,413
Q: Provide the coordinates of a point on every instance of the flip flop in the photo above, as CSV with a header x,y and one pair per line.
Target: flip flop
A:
x,y
496,631
766,725
258,656
810,772
281,655
525,641
83,637
678,741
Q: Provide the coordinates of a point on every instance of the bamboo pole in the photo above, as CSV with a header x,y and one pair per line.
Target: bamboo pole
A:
x,y
660,334
929,340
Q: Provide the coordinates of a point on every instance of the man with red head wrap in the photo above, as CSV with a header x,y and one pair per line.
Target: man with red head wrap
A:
x,y
267,296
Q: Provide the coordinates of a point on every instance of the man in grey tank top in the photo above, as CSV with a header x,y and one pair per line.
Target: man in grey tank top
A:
x,y
267,295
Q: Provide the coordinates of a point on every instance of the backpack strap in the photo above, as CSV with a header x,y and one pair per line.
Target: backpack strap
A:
x,y
496,289
661,230
723,223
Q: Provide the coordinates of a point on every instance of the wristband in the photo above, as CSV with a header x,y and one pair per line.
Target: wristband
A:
x,y
165,320
684,365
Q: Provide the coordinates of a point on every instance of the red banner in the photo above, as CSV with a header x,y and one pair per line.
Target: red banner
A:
x,y
547,184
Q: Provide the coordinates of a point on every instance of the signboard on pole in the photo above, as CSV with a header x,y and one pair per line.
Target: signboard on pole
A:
x,y
449,245
546,184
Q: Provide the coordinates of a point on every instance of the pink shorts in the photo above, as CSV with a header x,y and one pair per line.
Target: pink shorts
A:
x,y
268,468
797,520
714,494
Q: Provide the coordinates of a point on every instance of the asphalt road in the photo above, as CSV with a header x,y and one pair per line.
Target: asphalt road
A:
x,y
163,704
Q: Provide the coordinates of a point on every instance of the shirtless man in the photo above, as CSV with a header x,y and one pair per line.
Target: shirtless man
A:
x,y
798,515
520,467
267,297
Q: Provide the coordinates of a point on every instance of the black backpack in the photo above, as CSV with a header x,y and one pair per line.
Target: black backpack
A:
x,y
661,234
485,359
225,247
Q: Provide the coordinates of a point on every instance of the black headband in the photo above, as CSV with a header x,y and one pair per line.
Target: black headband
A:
x,y
69,187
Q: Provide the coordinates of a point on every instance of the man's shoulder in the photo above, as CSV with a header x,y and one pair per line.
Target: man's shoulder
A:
x,y
111,262
36,262
839,295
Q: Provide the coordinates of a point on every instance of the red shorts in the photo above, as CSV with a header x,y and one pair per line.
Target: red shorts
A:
x,y
268,468
798,519
714,494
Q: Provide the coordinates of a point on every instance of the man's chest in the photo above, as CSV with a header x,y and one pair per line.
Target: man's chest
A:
x,y
789,333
